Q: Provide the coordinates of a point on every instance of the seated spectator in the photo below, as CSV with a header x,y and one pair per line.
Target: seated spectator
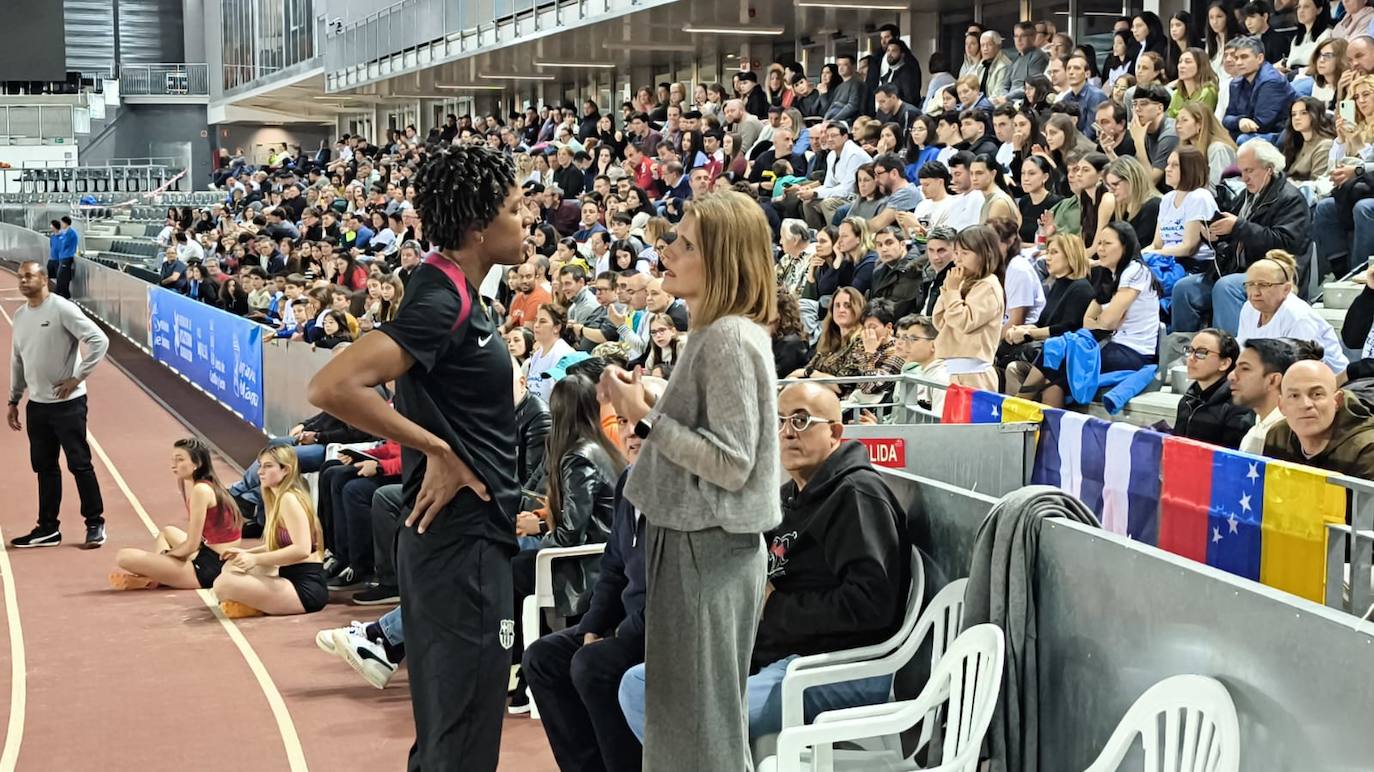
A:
x,y
966,206
1063,143
898,277
1185,212
1198,127
1081,93
1136,198
1125,307
1206,412
583,466
200,288
1255,16
986,175
937,200
868,196
1275,216
819,204
293,545
1152,130
839,567
970,309
916,346
879,352
665,341
529,296
975,129
336,330
1274,310
233,297
1357,331
344,508
1307,143
660,301
552,342
1092,204
794,252
1323,426
1067,298
1021,283
790,348
189,559
969,93
854,244
1257,380
1196,84
1260,95
574,674
590,222
1037,198
172,271
839,352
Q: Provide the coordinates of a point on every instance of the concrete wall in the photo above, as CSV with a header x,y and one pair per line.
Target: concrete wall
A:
x,y
159,130
193,29
252,138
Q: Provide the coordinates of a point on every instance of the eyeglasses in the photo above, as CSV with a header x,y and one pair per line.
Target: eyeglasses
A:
x,y
800,422
1262,285
913,338
1327,55
1197,353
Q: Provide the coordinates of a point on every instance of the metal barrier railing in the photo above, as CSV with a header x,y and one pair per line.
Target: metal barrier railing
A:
x,y
174,79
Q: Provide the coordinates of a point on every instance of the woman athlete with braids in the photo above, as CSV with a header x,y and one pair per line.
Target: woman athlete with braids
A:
x,y
448,359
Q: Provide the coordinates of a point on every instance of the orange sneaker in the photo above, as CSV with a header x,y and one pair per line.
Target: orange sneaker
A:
x,y
123,580
235,610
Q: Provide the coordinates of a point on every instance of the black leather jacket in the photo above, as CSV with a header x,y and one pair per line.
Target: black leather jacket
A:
x,y
587,479
532,428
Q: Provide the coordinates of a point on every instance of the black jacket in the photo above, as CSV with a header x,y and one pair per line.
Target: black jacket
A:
x,y
790,353
587,481
757,103
329,430
1210,416
902,284
1279,219
1355,331
617,602
839,563
531,430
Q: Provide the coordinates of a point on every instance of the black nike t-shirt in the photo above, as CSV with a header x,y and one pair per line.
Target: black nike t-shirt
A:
x,y
460,389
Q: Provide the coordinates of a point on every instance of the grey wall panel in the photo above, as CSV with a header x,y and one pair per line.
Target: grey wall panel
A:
x,y
150,31
1115,618
89,28
148,130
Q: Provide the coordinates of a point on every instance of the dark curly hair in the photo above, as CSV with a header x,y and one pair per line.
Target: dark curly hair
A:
x,y
461,188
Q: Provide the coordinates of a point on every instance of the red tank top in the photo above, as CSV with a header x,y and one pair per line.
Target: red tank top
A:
x,y
220,526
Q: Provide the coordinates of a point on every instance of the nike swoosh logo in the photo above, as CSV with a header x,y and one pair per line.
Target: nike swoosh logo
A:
x,y
482,342
365,654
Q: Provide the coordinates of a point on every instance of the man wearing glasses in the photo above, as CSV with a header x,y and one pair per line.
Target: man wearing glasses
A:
x,y
839,566
916,346
1152,131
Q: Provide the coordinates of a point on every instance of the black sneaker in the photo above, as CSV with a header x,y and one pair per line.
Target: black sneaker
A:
x,y
95,536
520,703
346,579
332,567
377,595
37,538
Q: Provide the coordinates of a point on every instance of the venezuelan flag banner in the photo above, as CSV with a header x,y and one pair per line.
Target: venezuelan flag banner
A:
x,y
1016,410
973,406
958,405
1257,518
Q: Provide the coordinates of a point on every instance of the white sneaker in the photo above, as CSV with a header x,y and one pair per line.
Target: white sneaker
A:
x,y
365,656
325,638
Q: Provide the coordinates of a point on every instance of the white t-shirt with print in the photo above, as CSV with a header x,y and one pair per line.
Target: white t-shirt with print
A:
x,y
1024,290
1139,331
1198,206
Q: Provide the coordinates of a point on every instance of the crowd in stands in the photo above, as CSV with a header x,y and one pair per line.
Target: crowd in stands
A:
x,y
1038,221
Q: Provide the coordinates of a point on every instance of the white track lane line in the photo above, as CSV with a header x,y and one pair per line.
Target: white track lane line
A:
x,y
19,675
291,741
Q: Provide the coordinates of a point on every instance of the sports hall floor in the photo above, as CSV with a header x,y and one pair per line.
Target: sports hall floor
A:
x,y
93,679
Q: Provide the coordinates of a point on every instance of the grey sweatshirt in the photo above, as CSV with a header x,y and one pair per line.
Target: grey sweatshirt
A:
x,y
45,349
711,460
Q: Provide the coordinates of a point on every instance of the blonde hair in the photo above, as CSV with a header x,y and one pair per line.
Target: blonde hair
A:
x,y
736,250
1286,263
292,485
970,82
860,227
1364,124
1071,244
1132,171
1209,129
655,228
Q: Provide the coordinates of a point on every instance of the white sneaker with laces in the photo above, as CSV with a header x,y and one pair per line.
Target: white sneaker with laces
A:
x,y
365,656
325,638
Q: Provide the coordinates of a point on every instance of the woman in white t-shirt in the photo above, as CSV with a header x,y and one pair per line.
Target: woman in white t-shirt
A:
x,y
1273,310
551,344
1185,213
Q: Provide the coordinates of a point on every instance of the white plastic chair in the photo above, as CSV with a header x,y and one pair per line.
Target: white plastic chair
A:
x,y
542,597
1200,732
833,667
965,684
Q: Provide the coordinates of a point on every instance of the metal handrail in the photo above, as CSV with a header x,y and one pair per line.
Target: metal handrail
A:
x,y
165,79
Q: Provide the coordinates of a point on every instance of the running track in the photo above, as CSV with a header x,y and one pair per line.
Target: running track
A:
x,y
92,679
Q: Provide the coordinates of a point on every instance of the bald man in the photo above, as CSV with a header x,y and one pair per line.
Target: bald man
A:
x,y
1324,426
839,565
660,301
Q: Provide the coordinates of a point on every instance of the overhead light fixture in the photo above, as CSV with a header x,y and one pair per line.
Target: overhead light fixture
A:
x,y
468,87
515,76
692,30
855,4
617,45
587,65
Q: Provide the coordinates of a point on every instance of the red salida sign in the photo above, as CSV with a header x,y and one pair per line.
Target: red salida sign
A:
x,y
889,452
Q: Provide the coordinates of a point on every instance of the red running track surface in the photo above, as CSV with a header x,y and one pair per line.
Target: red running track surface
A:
x,y
150,680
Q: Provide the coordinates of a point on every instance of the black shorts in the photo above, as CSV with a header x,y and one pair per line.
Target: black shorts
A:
x,y
308,579
208,564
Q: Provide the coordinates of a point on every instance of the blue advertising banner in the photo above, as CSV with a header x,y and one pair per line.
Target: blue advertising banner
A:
x,y
213,349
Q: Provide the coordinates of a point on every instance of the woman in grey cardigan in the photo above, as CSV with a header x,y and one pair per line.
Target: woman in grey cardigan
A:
x,y
707,482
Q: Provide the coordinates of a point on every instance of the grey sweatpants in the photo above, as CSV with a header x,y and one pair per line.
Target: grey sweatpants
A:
x,y
701,612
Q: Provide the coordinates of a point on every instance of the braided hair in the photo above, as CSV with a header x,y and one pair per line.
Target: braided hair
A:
x,y
461,188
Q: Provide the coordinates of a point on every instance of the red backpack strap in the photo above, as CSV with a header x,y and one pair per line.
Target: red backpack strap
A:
x,y
460,283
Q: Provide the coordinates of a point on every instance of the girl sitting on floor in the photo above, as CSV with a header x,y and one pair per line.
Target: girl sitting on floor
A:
x,y
294,545
190,559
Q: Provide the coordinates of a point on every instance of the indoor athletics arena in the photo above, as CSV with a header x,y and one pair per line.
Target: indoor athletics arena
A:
x,y
390,385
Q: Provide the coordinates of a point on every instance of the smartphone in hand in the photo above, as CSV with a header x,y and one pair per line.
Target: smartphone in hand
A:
x,y
1348,111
